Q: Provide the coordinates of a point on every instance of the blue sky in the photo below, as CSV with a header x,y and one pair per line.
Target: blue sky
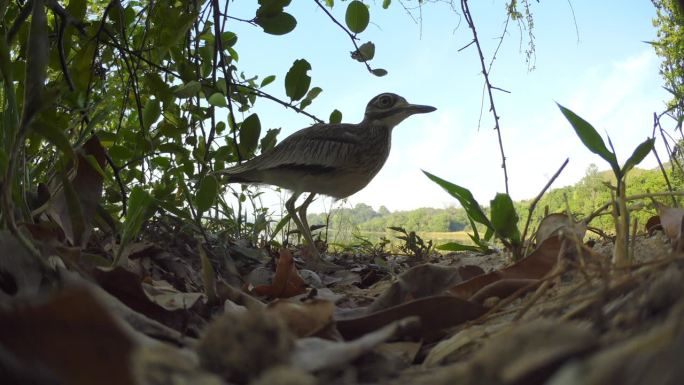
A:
x,y
609,76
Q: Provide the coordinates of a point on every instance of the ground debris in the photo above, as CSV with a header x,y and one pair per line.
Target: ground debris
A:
x,y
561,316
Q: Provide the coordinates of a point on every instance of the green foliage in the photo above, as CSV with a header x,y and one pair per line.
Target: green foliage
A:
x,y
207,193
505,218
593,141
154,84
297,81
592,192
669,22
335,117
357,16
139,210
365,218
413,244
503,223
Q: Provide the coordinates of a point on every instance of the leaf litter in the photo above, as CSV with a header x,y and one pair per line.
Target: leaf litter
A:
x,y
168,314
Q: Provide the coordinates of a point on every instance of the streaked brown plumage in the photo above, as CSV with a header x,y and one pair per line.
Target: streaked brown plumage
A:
x,y
330,159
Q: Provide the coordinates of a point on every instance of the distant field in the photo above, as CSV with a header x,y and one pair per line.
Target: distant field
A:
x,y
347,237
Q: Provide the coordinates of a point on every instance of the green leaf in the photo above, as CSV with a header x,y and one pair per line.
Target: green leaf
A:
x,y
37,58
591,139
335,117
267,80
280,24
386,3
465,198
250,130
151,112
207,193
365,52
297,81
357,16
188,90
638,155
217,100
269,140
283,221
220,127
121,152
454,246
310,96
271,7
55,136
504,218
228,39
139,203
379,72
329,3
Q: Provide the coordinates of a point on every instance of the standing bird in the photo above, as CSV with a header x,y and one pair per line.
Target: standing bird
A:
x,y
331,159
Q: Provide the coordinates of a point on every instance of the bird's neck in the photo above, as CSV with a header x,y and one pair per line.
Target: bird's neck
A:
x,y
378,124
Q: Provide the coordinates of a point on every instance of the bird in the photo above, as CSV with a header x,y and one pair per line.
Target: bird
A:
x,y
337,159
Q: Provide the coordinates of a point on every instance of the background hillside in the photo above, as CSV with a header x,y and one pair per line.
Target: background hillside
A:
x,y
583,198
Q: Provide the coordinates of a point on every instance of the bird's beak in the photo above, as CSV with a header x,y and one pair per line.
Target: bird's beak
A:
x,y
418,109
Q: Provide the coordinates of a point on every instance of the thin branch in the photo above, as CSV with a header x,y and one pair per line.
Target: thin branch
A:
x,y
485,73
539,196
116,170
62,56
349,33
227,76
285,104
656,123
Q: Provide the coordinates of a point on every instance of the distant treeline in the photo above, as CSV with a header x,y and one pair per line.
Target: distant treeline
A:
x,y
583,198
365,218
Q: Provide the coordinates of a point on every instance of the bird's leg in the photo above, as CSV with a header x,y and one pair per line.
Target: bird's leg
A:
x,y
290,207
301,211
313,260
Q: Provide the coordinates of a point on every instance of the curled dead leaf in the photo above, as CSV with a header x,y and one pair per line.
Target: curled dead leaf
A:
x,y
287,282
557,223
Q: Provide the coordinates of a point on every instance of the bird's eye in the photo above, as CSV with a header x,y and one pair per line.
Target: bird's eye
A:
x,y
385,101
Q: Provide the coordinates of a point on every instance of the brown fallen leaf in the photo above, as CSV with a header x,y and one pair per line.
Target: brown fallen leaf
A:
x,y
653,225
461,345
314,354
303,319
73,335
75,201
534,266
286,282
671,221
423,281
524,354
20,274
435,313
503,288
557,223
128,288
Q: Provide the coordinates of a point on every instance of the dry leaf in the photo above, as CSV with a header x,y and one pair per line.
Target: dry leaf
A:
x,y
286,282
73,335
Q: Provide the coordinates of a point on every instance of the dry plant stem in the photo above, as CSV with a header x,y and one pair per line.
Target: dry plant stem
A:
x,y
601,209
620,286
533,205
656,123
485,73
621,218
495,310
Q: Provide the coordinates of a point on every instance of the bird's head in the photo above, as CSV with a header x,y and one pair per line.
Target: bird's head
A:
x,y
390,109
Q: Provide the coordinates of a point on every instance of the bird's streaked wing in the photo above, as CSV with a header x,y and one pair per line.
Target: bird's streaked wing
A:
x,y
317,147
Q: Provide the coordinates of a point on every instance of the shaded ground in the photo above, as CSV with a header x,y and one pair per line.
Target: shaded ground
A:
x,y
178,310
